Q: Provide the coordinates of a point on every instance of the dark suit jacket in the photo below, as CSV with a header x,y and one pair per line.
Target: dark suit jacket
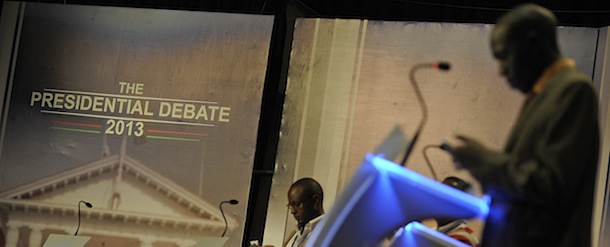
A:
x,y
542,185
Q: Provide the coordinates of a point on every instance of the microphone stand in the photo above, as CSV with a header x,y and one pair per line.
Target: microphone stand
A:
x,y
233,202
420,99
86,204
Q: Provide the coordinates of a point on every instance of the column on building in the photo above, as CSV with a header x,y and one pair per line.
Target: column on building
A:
x,y
185,243
12,234
147,241
35,236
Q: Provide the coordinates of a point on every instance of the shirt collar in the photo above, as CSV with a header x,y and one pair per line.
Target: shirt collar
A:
x,y
312,223
549,72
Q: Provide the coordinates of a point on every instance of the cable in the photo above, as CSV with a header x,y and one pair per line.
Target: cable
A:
x,y
428,161
263,8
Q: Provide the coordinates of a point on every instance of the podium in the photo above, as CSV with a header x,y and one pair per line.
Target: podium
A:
x,y
211,242
382,197
61,240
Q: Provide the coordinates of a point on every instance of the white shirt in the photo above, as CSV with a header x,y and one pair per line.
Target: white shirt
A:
x,y
300,237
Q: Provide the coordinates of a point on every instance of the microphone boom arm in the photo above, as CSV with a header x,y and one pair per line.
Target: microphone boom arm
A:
x,y
86,204
232,202
424,109
422,104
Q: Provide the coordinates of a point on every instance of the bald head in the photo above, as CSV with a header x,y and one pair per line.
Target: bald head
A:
x,y
530,23
524,41
308,187
305,200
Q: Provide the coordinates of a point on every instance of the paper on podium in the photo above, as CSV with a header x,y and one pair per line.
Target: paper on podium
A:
x,y
416,234
62,240
211,242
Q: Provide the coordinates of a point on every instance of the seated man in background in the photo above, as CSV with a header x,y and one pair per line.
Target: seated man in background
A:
x,y
305,204
458,229
452,227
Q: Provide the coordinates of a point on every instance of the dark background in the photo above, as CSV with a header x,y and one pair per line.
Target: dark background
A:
x,y
590,13
586,13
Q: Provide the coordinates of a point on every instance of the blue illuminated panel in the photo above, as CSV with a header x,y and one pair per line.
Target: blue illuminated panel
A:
x,y
382,197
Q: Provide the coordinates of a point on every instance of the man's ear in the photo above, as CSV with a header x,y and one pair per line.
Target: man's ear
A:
x,y
316,200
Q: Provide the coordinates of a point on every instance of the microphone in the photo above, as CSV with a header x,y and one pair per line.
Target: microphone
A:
x,y
440,66
233,202
86,204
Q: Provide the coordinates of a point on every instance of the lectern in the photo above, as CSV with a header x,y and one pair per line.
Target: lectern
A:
x,y
382,197
61,240
211,242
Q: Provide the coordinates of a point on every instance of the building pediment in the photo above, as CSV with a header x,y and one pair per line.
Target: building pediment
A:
x,y
121,189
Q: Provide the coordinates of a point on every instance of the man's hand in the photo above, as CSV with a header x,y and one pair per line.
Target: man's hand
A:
x,y
469,153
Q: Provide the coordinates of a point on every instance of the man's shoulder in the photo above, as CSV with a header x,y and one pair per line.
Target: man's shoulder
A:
x,y
570,80
570,76
315,220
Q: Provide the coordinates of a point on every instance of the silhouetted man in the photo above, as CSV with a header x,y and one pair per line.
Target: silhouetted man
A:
x,y
542,183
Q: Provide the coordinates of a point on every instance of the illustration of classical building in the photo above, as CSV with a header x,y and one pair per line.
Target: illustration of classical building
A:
x,y
132,206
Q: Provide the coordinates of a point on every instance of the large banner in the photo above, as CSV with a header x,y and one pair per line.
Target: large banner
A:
x,y
149,115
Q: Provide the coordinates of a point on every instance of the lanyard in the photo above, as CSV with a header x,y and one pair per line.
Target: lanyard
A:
x,y
298,240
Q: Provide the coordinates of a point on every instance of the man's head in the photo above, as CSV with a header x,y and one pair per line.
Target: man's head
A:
x,y
305,200
459,184
524,43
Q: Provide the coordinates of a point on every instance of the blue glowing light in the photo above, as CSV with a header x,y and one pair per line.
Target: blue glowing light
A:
x,y
432,186
382,197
